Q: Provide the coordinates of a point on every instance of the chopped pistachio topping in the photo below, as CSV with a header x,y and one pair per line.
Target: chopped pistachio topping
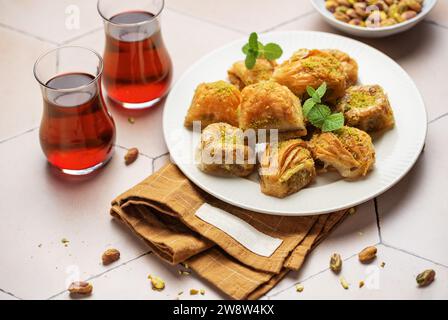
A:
x,y
299,287
359,99
323,64
343,282
157,283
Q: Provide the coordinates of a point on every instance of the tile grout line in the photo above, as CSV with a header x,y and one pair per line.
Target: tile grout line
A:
x,y
18,135
56,43
435,23
162,155
140,153
377,214
22,32
414,255
205,20
303,15
103,273
312,276
10,294
438,118
75,38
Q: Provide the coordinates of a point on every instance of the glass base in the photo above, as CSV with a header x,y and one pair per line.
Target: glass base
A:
x,y
86,171
135,106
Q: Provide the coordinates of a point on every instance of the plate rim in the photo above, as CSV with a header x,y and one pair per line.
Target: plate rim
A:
x,y
368,197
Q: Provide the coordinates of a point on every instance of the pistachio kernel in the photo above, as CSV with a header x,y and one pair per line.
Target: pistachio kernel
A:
x,y
80,287
336,262
367,254
131,156
426,278
109,256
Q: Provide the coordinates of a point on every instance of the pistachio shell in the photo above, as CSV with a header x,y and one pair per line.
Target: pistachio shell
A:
x,y
408,15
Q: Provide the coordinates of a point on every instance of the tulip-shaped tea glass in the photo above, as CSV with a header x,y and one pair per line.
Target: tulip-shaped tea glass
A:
x,y
77,132
137,66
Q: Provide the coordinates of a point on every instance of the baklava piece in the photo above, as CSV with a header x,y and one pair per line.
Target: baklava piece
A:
x,y
222,151
349,65
214,102
285,168
269,105
312,68
349,150
240,76
367,108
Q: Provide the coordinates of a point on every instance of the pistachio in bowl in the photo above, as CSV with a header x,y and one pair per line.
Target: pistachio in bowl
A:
x,y
373,18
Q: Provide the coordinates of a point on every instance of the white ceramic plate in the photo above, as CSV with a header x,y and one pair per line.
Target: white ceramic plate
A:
x,y
396,151
319,5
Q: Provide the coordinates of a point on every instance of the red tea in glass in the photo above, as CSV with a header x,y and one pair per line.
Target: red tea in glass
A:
x,y
77,132
137,66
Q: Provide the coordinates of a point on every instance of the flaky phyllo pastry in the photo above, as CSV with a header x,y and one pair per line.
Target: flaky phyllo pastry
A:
x,y
349,150
240,76
214,102
285,168
349,65
269,105
223,151
312,68
367,108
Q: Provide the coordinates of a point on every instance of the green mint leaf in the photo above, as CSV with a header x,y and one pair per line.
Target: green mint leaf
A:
x,y
251,59
321,90
254,49
272,51
318,114
310,90
247,47
333,122
316,98
253,41
313,94
307,106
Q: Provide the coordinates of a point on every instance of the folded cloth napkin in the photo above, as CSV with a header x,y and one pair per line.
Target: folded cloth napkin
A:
x,y
163,211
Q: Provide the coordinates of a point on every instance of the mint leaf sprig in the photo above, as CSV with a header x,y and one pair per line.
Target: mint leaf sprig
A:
x,y
320,114
254,49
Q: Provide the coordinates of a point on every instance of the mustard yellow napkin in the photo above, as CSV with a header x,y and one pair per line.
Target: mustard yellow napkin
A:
x,y
161,211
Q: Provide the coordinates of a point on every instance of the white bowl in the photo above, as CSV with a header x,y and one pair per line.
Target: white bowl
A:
x,y
319,5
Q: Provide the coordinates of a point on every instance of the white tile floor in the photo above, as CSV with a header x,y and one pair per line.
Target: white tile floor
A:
x,y
39,208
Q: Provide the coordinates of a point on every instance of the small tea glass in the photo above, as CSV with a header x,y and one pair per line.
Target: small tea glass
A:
x,y
77,132
137,66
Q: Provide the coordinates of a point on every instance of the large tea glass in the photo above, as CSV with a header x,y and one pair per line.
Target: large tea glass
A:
x,y
137,66
77,132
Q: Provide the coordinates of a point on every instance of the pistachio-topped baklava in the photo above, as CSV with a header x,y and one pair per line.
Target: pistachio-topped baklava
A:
x,y
349,65
367,108
349,150
312,68
285,168
240,76
222,150
269,105
214,102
